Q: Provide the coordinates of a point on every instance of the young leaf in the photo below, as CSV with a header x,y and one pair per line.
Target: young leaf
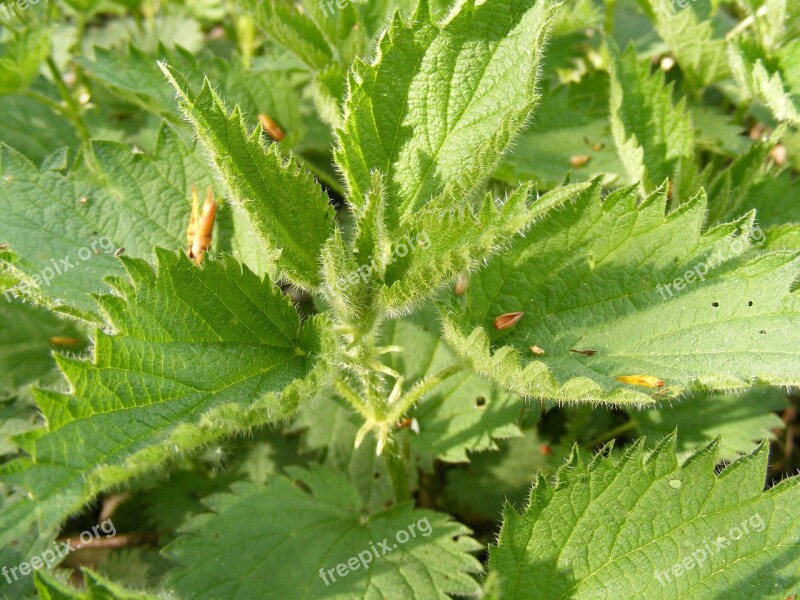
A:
x,y
614,289
284,202
254,522
20,58
654,137
444,239
196,354
644,526
689,32
441,103
293,29
756,81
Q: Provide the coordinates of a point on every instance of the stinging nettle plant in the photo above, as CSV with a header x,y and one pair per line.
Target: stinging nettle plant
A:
x,y
446,305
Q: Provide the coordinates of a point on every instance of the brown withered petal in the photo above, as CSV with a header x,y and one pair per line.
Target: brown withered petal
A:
x,y
507,320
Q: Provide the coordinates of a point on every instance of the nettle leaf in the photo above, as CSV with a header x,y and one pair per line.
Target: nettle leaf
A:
x,y
737,420
768,86
196,354
690,33
293,29
21,55
28,334
98,587
134,75
66,226
644,526
612,289
258,524
571,134
284,202
440,103
443,239
329,428
494,479
33,128
654,137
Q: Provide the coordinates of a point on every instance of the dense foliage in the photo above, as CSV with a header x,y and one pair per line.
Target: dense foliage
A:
x,y
398,299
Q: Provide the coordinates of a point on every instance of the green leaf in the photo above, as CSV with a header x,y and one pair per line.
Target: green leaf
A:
x,y
28,334
441,103
755,80
624,281
285,204
253,526
492,479
67,227
20,58
98,587
572,122
444,239
329,429
465,413
196,354
737,420
33,128
689,32
654,137
294,30
644,526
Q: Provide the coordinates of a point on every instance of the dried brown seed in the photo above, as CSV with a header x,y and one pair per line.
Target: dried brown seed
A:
x,y
507,320
579,160
271,127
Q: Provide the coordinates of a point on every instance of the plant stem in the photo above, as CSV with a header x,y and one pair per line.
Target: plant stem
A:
x,y
608,23
398,473
419,390
74,108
